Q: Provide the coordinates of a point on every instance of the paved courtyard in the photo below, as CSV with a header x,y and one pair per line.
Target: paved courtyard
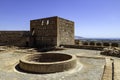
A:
x,y
90,66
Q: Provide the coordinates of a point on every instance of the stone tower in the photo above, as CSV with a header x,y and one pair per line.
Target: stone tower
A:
x,y
51,31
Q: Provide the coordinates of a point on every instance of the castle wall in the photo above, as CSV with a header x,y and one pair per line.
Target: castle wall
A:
x,y
51,31
44,32
66,32
16,38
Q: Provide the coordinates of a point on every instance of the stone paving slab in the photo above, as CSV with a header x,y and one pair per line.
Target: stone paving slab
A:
x,y
108,70
116,69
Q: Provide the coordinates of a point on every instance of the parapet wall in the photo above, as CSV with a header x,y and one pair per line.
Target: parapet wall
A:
x,y
97,43
16,38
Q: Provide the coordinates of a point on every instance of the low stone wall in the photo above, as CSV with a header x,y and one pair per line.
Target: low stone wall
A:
x,y
84,47
48,62
97,43
14,38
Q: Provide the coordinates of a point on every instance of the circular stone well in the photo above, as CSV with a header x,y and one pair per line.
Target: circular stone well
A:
x,y
48,62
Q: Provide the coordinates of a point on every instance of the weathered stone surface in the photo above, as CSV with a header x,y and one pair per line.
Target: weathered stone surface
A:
x,y
44,32
52,31
65,31
91,69
117,69
48,62
14,38
111,52
108,70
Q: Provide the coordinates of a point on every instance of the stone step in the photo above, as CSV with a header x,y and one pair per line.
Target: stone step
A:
x,y
108,70
116,69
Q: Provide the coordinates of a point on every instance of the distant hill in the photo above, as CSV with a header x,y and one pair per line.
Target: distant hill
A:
x,y
79,37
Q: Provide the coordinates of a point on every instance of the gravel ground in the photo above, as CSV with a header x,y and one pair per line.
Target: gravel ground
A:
x,y
87,68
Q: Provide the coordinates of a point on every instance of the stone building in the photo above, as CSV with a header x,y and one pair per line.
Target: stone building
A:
x,y
51,31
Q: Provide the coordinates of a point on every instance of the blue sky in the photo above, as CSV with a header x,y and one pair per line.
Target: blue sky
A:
x,y
93,18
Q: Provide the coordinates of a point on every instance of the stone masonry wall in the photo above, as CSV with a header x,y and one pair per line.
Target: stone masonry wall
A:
x,y
16,38
66,32
51,31
44,31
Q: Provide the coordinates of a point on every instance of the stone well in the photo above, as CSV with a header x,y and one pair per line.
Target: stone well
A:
x,y
47,62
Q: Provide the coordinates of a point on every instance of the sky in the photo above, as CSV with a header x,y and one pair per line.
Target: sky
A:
x,y
93,18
